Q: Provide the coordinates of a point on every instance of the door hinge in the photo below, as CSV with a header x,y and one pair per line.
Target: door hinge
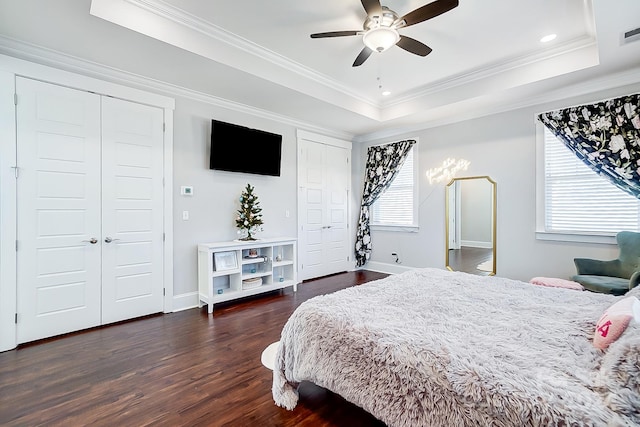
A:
x,y
16,246
15,171
164,127
16,318
164,291
347,257
15,99
301,266
164,236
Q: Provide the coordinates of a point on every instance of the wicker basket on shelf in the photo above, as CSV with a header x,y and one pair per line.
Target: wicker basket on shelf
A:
x,y
251,283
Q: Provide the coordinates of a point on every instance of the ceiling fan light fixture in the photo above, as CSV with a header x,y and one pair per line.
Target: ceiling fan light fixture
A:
x,y
381,38
380,28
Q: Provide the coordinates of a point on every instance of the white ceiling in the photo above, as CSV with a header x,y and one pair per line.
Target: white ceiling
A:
x,y
486,54
462,38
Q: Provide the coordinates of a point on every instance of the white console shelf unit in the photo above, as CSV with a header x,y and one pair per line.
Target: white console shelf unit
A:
x,y
236,269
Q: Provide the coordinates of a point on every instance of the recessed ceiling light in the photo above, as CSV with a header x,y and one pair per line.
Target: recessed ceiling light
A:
x,y
386,93
548,38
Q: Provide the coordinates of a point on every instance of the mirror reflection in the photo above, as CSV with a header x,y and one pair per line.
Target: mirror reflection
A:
x,y
470,211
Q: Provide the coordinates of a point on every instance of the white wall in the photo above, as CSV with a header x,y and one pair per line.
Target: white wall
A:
x,y
475,216
214,202
213,206
503,147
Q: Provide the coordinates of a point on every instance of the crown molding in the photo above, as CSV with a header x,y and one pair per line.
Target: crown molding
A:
x,y
56,59
597,84
585,43
192,33
187,20
594,85
52,58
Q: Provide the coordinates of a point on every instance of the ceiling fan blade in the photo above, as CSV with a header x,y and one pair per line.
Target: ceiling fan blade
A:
x,y
413,46
372,7
427,11
335,34
364,54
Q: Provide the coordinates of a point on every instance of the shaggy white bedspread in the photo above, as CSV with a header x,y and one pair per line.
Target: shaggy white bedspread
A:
x,y
434,348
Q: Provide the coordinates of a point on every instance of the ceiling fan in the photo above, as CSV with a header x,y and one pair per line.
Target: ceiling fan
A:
x,y
380,29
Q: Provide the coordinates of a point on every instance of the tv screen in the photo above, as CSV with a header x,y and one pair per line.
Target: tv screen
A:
x,y
236,148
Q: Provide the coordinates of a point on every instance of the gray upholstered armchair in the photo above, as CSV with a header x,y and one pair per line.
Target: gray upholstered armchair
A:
x,y
616,276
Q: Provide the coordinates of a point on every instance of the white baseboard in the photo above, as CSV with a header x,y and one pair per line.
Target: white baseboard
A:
x,y
383,267
185,301
474,244
190,299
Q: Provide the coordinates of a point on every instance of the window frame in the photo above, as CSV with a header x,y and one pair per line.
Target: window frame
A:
x,y
414,226
541,231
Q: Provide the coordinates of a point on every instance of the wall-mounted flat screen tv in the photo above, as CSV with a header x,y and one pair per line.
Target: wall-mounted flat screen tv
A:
x,y
237,148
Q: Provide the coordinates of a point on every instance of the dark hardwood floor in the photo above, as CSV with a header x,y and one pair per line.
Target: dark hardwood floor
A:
x,y
467,259
181,369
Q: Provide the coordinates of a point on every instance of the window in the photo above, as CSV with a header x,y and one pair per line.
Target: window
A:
x,y
397,207
578,201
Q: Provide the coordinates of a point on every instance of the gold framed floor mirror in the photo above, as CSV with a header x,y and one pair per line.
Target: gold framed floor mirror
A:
x,y
470,225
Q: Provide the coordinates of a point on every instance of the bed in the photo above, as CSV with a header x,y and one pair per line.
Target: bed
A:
x,y
431,347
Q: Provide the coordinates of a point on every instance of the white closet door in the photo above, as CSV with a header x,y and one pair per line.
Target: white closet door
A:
x,y
323,179
58,209
312,197
336,235
132,214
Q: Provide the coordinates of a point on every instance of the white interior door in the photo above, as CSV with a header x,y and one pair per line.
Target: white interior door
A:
x,y
312,216
335,232
323,179
89,208
453,197
132,214
58,266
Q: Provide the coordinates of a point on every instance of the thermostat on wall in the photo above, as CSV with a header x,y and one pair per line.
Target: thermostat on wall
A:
x,y
186,190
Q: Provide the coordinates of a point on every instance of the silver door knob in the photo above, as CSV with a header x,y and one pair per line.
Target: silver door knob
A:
x,y
93,241
109,240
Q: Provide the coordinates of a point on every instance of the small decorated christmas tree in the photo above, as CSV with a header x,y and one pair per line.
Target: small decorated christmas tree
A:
x,y
249,218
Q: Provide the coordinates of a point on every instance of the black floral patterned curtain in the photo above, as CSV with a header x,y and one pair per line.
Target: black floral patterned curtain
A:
x,y
605,136
383,164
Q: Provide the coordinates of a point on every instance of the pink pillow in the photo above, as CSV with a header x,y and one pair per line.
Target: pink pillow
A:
x,y
615,320
556,283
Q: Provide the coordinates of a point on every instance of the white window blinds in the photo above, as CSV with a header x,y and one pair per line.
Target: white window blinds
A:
x,y
396,205
578,200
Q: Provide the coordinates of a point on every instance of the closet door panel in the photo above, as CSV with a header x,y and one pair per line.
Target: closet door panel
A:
x,y
311,177
323,179
132,168
58,210
337,234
